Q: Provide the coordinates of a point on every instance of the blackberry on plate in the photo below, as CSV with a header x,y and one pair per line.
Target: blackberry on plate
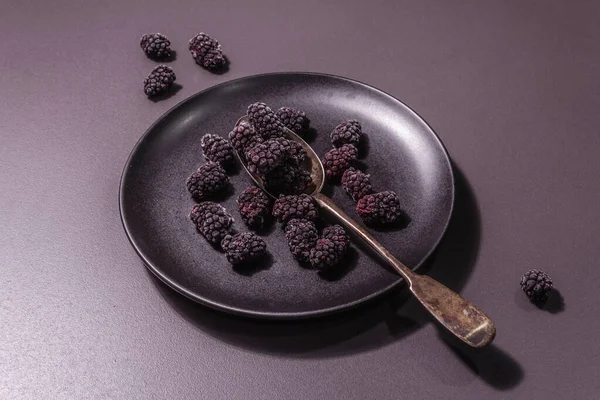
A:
x,y
379,208
243,247
265,156
301,237
356,183
337,234
209,179
293,119
156,45
337,160
159,81
212,220
287,179
324,255
243,137
217,149
254,206
265,121
537,285
348,132
300,206
207,52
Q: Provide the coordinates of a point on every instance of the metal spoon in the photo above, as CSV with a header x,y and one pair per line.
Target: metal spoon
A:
x,y
462,318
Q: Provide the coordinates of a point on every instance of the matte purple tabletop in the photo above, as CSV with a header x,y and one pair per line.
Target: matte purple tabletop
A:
x,y
511,87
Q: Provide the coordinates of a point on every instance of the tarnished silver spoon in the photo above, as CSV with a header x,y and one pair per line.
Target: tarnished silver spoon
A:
x,y
461,317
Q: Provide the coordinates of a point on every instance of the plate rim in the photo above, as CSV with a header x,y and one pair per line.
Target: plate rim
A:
x,y
269,314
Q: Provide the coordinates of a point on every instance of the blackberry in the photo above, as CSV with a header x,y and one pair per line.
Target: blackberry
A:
x,y
159,81
300,206
265,156
293,119
287,179
155,45
301,237
296,152
210,178
537,285
207,52
324,255
217,149
265,121
243,247
254,206
338,236
243,137
336,161
356,183
379,208
348,132
212,220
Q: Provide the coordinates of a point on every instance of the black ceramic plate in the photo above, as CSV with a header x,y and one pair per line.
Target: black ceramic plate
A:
x,y
401,152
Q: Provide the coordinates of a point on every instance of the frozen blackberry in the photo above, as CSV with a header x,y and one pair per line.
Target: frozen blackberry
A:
x,y
537,285
212,220
337,234
296,153
209,179
265,156
293,119
155,45
207,52
254,206
243,137
300,206
159,81
336,161
301,237
265,121
356,183
379,208
324,255
243,247
348,132
287,179
217,149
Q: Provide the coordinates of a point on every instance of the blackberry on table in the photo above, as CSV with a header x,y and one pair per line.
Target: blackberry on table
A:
x,y
207,52
301,237
159,81
217,149
254,206
348,132
265,156
287,179
243,247
337,234
337,160
379,208
156,45
265,121
212,220
356,183
300,206
324,255
537,285
209,179
243,137
293,119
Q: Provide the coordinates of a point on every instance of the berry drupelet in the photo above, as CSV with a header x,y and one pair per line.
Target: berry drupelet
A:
x,y
207,52
243,137
293,119
254,206
338,236
324,255
159,81
243,247
156,45
217,149
212,220
336,161
265,121
537,285
209,179
379,208
301,237
265,156
287,179
300,206
348,132
356,183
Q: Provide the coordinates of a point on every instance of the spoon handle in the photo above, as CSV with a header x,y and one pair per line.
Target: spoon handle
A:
x,y
461,317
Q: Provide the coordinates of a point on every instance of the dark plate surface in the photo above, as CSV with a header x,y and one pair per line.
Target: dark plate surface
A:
x,y
401,153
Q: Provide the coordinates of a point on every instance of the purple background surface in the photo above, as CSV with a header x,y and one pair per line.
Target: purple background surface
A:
x,y
511,87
